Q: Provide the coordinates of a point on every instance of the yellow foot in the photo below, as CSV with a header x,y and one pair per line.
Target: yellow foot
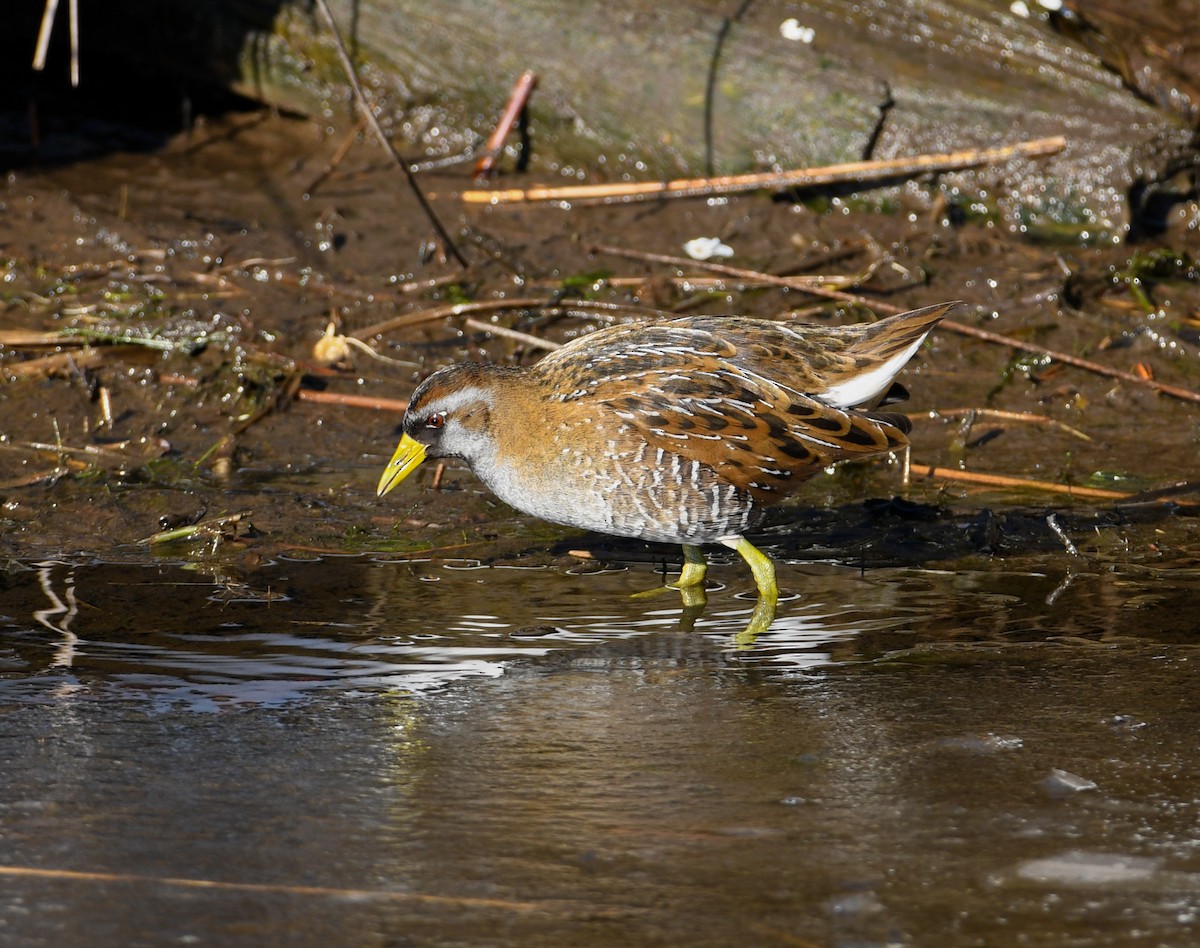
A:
x,y
690,583
694,568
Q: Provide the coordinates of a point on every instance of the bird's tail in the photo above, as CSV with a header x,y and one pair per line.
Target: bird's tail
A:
x,y
880,350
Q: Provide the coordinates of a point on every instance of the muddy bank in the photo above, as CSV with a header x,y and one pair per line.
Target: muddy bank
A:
x,y
163,309
188,289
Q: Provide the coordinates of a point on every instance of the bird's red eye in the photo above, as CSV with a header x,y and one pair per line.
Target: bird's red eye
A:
x,y
436,421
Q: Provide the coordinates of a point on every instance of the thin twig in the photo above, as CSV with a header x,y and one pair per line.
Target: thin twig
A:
x,y
442,312
351,401
1164,388
710,83
491,306
806,283
523,337
367,110
339,154
1175,391
713,284
854,171
371,296
884,107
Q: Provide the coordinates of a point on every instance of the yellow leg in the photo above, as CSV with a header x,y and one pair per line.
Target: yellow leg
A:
x,y
694,568
760,565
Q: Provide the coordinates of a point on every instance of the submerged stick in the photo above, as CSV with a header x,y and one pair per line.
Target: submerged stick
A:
x,y
338,155
205,529
1022,417
342,895
64,362
1021,483
853,171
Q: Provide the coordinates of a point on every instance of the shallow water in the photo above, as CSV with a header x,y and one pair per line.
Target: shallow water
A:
x,y
360,751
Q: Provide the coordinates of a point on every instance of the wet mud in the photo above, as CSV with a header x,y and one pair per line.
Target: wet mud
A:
x,y
314,717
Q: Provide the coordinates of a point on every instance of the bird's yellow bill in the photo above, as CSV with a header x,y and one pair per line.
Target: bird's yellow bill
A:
x,y
409,454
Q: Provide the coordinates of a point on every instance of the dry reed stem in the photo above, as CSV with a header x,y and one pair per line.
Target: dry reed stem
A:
x,y
525,338
854,171
441,312
35,339
62,450
44,32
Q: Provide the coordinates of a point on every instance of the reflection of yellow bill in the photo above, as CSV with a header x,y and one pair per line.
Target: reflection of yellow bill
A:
x,y
409,454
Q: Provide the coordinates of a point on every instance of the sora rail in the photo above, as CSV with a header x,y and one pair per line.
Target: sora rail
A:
x,y
681,432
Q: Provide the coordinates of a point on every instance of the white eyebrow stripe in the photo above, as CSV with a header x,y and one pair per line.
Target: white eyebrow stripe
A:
x,y
455,399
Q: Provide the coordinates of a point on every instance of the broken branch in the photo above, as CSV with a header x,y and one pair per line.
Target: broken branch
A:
x,y
512,111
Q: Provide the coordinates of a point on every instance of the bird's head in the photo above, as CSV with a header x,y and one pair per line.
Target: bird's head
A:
x,y
448,416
